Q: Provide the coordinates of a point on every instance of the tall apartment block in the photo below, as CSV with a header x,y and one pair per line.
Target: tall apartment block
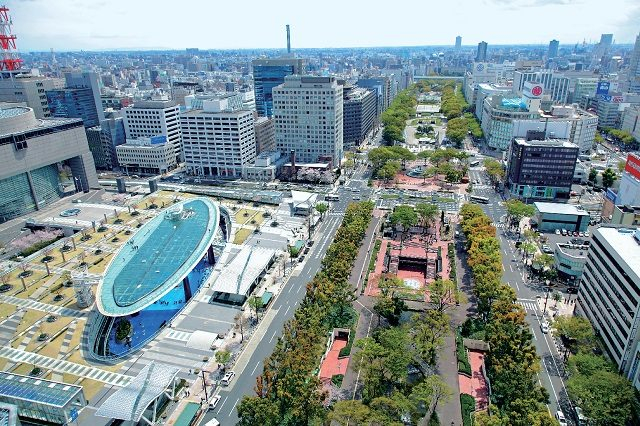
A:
x,y
33,152
609,295
145,119
218,140
308,113
269,73
359,114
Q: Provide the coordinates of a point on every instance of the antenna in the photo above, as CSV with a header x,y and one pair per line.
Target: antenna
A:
x,y
288,40
10,60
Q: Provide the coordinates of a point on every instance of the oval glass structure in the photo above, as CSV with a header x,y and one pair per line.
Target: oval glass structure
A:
x,y
159,255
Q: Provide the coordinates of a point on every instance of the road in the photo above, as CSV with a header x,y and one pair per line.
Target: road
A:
x,y
527,293
249,364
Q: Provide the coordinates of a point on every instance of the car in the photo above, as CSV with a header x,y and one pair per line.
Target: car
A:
x,y
544,327
213,402
587,234
546,249
576,234
301,259
581,234
306,250
557,232
212,422
563,232
310,243
228,377
70,212
582,419
77,201
572,290
561,419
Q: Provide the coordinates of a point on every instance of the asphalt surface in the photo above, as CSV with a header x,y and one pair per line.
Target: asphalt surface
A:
x,y
283,307
527,292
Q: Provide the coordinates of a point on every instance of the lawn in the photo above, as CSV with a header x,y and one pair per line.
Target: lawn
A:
x,y
91,388
51,328
6,310
243,216
52,349
242,235
29,318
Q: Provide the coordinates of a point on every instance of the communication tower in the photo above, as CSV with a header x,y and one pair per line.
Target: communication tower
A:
x,y
9,60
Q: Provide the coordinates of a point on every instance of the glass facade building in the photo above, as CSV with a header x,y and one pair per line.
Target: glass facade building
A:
x,y
74,103
22,194
269,73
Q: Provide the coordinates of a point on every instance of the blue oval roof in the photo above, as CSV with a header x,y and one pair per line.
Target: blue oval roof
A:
x,y
157,257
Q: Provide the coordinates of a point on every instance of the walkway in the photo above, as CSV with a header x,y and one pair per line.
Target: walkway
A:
x,y
333,364
62,366
475,385
44,307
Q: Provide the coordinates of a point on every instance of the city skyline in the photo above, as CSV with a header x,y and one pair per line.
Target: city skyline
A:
x,y
68,26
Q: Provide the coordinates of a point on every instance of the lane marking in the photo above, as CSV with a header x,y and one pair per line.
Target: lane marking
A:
x,y
273,335
255,368
234,407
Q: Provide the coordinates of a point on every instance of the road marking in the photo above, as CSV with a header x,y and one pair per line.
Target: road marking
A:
x,y
511,267
255,368
287,311
234,407
274,335
225,400
503,268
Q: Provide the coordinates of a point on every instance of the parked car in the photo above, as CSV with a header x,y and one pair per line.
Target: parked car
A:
x,y
587,234
564,232
544,327
561,419
557,232
572,290
213,402
546,249
300,259
227,378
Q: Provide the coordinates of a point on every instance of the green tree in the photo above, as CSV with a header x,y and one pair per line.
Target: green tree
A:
x,y
388,171
443,294
494,170
621,165
428,330
253,410
256,303
517,210
223,356
593,175
576,332
427,214
608,177
404,216
350,412
322,208
390,308
426,395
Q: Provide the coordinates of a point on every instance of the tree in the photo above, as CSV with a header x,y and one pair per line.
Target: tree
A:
x,y
404,216
427,214
223,357
608,177
388,171
517,210
428,330
604,396
621,165
494,170
350,412
593,175
576,332
389,308
256,304
426,395
254,410
322,208
443,294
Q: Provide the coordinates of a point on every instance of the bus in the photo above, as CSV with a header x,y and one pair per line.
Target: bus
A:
x,y
474,163
478,199
332,197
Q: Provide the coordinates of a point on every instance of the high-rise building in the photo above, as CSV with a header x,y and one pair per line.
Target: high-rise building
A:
x,y
89,80
629,190
74,103
218,139
458,42
553,49
381,86
146,156
145,119
30,90
269,73
265,134
481,55
104,139
541,169
631,121
609,295
32,153
633,74
308,114
359,114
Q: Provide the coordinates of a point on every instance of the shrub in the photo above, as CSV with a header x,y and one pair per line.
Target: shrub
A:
x,y
135,213
98,261
468,406
464,366
336,379
123,330
102,228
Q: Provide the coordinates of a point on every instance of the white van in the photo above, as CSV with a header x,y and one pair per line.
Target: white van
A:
x,y
212,422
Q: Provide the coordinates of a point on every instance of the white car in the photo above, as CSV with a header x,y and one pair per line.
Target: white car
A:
x,y
213,402
544,327
557,232
227,378
587,234
560,418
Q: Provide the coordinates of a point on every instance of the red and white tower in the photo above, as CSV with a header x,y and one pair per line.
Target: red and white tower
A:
x,y
9,60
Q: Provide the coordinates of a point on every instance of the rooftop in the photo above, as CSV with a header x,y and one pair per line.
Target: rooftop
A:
x,y
556,143
157,257
13,111
625,242
243,269
40,391
559,208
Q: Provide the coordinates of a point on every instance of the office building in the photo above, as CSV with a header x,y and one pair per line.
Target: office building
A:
x,y
631,121
629,190
582,87
74,103
104,139
146,119
553,49
33,152
359,114
541,170
633,73
86,80
269,73
265,134
30,90
458,43
552,216
609,295
381,86
569,260
218,139
481,55
308,114
146,156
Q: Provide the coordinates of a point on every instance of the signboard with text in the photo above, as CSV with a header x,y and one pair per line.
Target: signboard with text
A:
x,y
633,165
603,88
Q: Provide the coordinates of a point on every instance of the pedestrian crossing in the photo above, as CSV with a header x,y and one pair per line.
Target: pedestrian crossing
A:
x,y
44,307
529,305
62,366
182,336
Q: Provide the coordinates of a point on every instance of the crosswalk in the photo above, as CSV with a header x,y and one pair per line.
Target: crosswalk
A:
x,y
529,305
182,336
62,366
44,307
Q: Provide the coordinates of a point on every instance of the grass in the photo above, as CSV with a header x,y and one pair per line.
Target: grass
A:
x,y
29,318
6,310
242,235
242,219
52,348
468,406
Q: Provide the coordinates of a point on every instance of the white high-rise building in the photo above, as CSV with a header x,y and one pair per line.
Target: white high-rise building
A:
x,y
308,118
610,295
146,119
218,139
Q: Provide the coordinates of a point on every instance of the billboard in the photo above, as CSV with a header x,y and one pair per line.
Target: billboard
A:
x,y
603,88
633,165
611,195
616,99
158,139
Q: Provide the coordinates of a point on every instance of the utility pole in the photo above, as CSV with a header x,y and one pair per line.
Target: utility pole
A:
x,y
546,299
204,387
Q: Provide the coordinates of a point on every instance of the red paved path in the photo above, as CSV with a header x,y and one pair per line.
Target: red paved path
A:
x,y
331,364
476,385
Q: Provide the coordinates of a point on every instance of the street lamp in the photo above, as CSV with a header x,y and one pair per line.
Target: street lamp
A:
x,y
546,298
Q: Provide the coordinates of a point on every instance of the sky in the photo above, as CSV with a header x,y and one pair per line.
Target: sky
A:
x,y
215,24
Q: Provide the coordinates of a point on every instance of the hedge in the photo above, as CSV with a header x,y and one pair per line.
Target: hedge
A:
x,y
37,246
453,274
464,366
336,379
468,406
